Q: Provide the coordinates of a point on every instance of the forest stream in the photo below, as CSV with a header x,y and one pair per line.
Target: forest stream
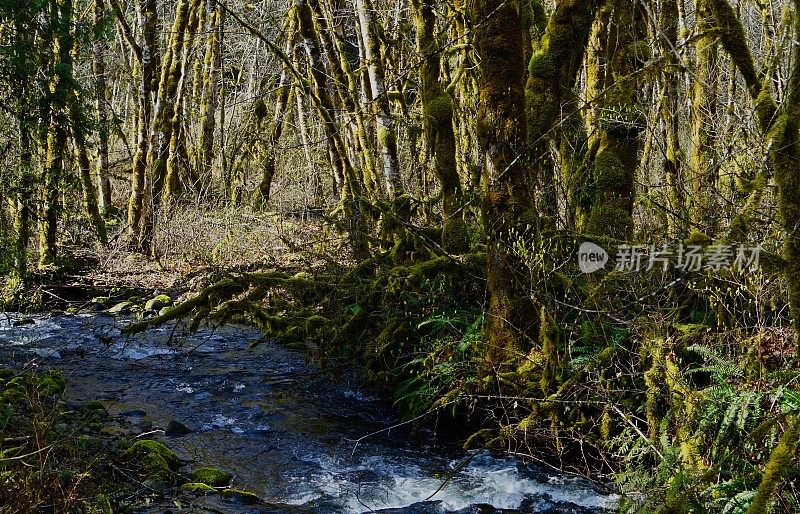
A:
x,y
303,439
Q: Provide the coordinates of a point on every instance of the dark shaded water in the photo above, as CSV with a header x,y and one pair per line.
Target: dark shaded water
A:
x,y
285,430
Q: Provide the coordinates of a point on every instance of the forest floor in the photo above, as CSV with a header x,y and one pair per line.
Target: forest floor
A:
x,y
193,245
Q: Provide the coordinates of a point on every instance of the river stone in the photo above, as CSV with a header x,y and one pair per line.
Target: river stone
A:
x,y
121,308
238,496
157,303
197,487
176,429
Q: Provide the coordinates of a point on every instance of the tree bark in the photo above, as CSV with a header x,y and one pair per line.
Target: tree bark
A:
x,y
148,21
437,106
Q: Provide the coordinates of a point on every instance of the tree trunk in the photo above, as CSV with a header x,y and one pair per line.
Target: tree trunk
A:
x,y
704,211
148,21
511,319
350,186
262,192
622,123
172,184
673,173
210,94
437,106
387,136
163,124
99,70
56,142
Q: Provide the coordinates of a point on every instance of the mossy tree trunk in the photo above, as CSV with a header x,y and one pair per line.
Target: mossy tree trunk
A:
x,y
387,135
25,187
780,126
282,95
209,102
162,130
329,20
61,90
552,73
703,209
673,155
147,54
437,106
350,186
22,213
621,124
512,322
101,106
172,185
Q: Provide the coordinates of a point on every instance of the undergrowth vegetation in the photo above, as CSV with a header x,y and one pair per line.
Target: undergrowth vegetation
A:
x,y
681,403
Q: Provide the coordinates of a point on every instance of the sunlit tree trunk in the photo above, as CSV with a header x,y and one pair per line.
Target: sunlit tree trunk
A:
x,y
163,124
387,136
210,95
351,187
703,208
99,71
172,189
262,192
148,66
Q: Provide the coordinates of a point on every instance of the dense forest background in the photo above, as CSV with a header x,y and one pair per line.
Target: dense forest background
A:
x,y
436,165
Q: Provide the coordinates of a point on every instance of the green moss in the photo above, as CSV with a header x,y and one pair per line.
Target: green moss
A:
x,y
780,461
101,505
154,459
197,487
439,109
609,220
211,476
542,66
610,173
455,236
50,383
386,136
240,496
696,237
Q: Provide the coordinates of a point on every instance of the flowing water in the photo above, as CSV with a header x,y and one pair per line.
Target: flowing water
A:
x,y
286,430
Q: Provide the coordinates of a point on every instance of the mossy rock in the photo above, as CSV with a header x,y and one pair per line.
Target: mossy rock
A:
x,y
121,308
157,303
197,487
101,301
239,496
212,477
156,461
